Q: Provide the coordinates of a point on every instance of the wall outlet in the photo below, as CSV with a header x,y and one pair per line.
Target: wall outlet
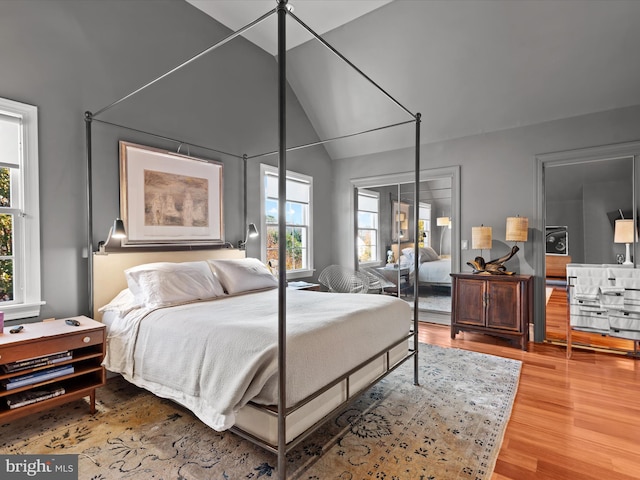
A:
x,y
464,245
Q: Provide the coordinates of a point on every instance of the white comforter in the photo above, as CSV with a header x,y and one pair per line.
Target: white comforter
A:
x,y
435,272
214,357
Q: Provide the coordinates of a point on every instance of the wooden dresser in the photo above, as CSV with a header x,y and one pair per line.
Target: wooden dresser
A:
x,y
499,305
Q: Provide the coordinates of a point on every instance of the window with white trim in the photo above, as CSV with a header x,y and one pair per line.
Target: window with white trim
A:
x,y
368,226
424,225
299,261
19,211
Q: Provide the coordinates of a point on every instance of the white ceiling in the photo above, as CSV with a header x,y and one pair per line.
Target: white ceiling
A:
x,y
469,67
326,15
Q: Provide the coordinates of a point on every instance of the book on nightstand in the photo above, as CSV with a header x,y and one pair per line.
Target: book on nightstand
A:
x,y
33,396
36,362
37,377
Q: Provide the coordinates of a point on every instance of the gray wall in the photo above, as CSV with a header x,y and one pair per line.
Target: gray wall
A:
x,y
67,57
497,175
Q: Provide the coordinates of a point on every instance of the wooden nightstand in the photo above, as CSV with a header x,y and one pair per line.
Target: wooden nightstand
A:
x,y
45,349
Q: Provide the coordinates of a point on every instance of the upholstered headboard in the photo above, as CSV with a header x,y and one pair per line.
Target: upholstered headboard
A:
x,y
108,269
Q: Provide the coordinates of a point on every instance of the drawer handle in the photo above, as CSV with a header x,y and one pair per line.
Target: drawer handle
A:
x,y
86,339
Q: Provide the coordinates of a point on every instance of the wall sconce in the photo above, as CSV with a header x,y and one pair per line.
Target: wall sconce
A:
x,y
117,230
252,231
625,233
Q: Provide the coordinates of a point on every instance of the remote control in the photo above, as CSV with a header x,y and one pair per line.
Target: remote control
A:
x,y
17,329
72,322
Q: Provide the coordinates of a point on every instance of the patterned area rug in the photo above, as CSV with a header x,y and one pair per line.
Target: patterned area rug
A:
x,y
450,427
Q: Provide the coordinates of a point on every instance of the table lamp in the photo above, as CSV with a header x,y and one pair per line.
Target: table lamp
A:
x,y
625,233
517,229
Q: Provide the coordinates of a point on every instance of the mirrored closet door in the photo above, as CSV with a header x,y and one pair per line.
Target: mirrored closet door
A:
x,y
385,237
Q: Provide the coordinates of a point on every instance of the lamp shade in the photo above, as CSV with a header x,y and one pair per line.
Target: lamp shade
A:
x,y
252,231
481,238
118,229
624,231
442,221
517,229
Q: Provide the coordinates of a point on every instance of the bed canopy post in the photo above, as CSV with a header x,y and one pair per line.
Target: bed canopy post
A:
x,y
282,244
244,191
88,118
416,219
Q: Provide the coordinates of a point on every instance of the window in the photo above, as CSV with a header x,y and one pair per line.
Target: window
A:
x,y
368,226
19,211
298,220
424,225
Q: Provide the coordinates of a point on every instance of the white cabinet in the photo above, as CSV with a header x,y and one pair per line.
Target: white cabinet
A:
x,y
604,299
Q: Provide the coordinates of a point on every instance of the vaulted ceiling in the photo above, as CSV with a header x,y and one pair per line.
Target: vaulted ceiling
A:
x,y
468,67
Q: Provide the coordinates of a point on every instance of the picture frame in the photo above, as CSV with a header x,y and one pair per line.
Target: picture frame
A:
x,y
400,221
557,240
167,198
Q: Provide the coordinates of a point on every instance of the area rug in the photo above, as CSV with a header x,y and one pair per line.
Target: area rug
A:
x,y
435,303
449,427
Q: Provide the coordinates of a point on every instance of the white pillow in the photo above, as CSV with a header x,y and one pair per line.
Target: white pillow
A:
x,y
428,254
166,283
243,275
122,303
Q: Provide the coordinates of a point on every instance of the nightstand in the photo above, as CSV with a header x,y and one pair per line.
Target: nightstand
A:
x,y
399,276
304,286
50,363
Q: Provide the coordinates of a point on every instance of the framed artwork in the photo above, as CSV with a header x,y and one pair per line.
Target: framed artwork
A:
x,y
169,198
557,240
400,221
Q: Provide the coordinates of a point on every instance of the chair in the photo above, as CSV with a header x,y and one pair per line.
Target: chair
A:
x,y
343,280
378,283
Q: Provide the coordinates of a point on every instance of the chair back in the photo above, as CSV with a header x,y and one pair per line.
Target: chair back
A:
x,y
343,280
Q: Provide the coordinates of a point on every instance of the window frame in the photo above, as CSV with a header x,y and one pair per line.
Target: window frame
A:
x,y
26,233
376,195
294,176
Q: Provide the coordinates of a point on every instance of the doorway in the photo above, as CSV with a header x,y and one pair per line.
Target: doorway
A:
x,y
580,195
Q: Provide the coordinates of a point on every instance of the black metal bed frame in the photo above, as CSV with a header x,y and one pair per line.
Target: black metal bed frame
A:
x,y
282,11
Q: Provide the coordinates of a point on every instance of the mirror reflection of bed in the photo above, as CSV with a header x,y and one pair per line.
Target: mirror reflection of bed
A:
x,y
433,279
385,221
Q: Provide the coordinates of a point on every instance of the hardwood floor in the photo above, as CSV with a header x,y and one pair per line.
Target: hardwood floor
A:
x,y
572,419
556,320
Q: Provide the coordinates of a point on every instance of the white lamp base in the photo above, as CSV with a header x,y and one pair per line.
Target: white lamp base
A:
x,y
627,258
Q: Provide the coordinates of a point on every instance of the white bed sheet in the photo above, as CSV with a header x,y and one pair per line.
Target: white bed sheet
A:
x,y
214,357
435,272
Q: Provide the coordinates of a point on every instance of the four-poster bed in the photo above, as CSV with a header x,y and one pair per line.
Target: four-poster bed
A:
x,y
270,425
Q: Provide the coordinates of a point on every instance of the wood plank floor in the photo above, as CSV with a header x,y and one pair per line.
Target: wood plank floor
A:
x,y
556,327
572,419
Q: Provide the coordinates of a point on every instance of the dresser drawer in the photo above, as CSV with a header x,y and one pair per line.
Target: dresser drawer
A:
x,y
46,346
